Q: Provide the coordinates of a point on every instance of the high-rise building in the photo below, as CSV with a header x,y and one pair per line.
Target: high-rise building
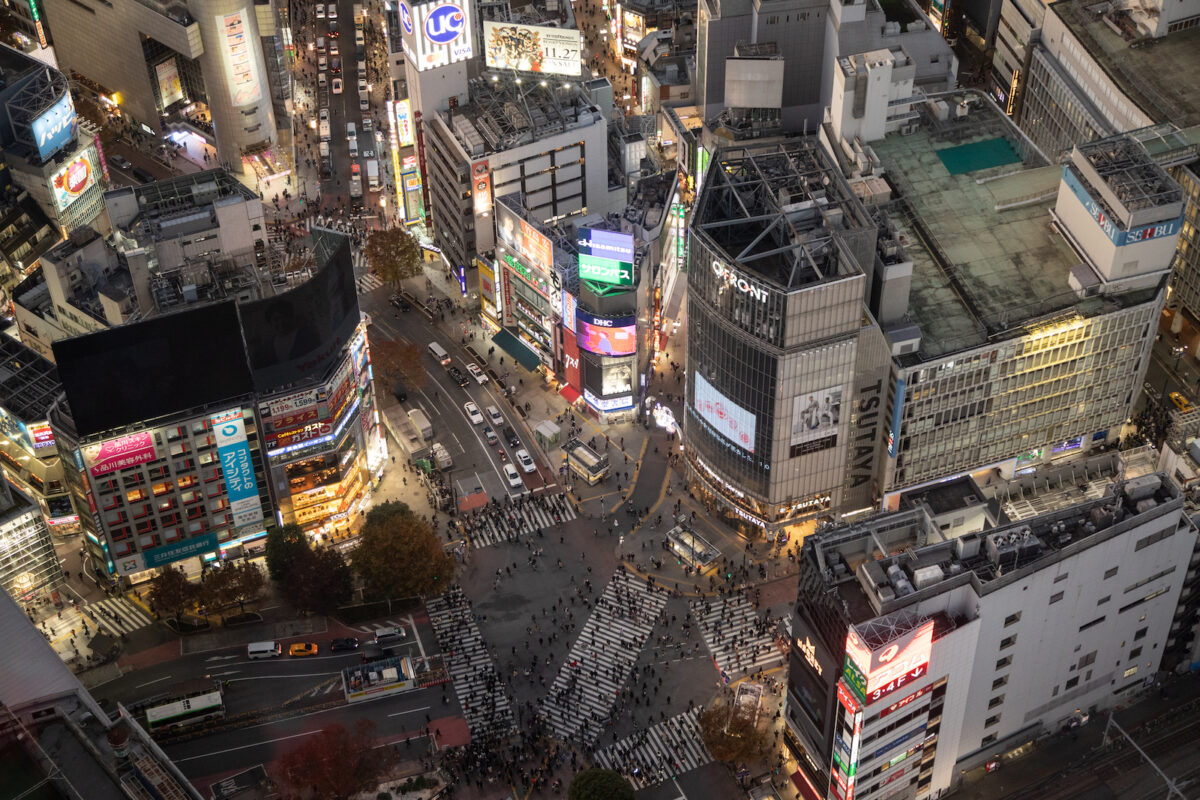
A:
x,y
917,652
841,352
29,565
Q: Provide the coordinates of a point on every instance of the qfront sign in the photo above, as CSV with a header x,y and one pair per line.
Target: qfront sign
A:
x,y
738,282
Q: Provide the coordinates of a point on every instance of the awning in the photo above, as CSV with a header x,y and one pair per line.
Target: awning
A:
x,y
805,787
517,349
569,393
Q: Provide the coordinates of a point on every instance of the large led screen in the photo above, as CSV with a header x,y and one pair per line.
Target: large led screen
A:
x,y
606,336
728,418
815,420
525,48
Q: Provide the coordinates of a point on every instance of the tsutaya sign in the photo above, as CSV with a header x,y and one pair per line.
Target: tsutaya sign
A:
x,y
736,281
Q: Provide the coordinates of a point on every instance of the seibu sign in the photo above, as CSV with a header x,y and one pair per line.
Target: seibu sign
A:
x,y
735,280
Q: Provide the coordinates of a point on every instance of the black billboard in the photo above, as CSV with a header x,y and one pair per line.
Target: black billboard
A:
x,y
298,334
149,369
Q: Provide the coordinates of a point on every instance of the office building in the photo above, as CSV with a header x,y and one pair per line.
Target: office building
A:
x,y
58,742
211,69
894,344
919,652
29,565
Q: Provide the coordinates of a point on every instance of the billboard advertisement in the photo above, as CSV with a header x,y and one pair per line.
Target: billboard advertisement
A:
x,y
290,403
571,359
41,434
169,86
897,417
568,311
56,127
526,240
606,256
616,377
728,418
606,336
300,333
239,50
73,179
410,181
815,420
437,34
236,466
402,114
116,454
526,48
891,665
481,188
195,546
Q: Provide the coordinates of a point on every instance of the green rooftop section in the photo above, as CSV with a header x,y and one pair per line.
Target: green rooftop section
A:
x,y
978,156
985,257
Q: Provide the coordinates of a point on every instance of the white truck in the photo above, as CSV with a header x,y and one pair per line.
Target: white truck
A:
x,y
373,174
442,456
323,129
355,181
424,427
358,16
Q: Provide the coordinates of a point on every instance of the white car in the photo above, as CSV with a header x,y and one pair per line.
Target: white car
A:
x,y
477,374
514,477
320,11
332,11
333,48
362,84
525,461
494,415
473,413
363,103
337,85
323,115
322,79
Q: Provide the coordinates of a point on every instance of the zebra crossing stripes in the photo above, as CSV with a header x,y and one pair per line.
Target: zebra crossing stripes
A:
x,y
367,283
387,623
661,752
118,615
472,670
591,678
740,642
530,518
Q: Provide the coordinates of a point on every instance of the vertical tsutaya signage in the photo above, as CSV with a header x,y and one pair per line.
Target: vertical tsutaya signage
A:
x,y
437,34
481,188
897,410
237,467
241,59
866,428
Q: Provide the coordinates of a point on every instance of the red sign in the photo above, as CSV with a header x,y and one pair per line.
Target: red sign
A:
x,y
296,418
846,699
310,431
571,359
899,704
885,664
899,682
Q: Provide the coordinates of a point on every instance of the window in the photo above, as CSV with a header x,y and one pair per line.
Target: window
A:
x,y
992,720
1054,598
1130,672
1012,619
1004,662
1141,634
1061,578
1104,599
1088,660
1134,653
1071,684
1154,538
996,684
160,489
1091,624
995,701
1110,572
985,741
1153,577
134,495
1008,642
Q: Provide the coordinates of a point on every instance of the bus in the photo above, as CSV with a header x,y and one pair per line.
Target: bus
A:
x,y
185,712
585,462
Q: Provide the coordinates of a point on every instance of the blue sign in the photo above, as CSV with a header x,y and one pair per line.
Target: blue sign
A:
x,y
197,545
445,24
55,128
238,469
406,18
1110,226
897,407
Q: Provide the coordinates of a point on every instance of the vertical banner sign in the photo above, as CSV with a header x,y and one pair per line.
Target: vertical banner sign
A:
x,y
481,185
897,410
237,467
103,160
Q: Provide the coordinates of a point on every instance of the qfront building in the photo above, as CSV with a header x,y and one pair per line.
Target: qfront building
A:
x,y
862,327
918,654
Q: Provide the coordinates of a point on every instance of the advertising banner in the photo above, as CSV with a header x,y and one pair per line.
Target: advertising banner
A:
x,y
410,180
14,429
606,256
73,179
897,414
195,546
571,359
55,127
481,188
815,421
115,454
608,403
402,114
237,467
487,280
568,311
240,52
616,376
437,34
41,434
526,48
897,659
290,404
607,336
169,86
728,418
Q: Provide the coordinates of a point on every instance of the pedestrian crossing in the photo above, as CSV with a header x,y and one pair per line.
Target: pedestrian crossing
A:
x,y
490,526
116,615
387,623
737,637
367,283
478,685
593,675
659,753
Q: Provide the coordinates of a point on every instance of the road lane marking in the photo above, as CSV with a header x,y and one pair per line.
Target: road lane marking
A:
x,y
413,627
244,746
415,710
149,683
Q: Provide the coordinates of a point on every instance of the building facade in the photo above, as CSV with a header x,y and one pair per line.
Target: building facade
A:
x,y
29,564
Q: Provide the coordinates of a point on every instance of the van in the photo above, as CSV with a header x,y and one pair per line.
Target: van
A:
x,y
264,650
351,133
439,353
353,143
494,415
383,635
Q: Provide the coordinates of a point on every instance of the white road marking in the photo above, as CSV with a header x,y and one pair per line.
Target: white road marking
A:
x,y
157,680
415,710
412,625
244,746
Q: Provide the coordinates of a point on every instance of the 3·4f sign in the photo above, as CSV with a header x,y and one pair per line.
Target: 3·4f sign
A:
x,y
898,682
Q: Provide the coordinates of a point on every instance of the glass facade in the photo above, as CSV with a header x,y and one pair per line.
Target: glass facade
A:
x,y
1051,115
1185,278
28,564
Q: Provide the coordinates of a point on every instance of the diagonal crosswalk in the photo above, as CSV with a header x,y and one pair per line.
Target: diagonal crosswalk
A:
x,y
489,525
478,685
591,679
660,752
741,642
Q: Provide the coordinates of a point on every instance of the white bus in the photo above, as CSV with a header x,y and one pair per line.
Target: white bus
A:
x,y
188,711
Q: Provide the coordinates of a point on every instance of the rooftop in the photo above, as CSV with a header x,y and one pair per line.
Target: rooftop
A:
x,y
504,114
1146,70
166,207
985,258
28,383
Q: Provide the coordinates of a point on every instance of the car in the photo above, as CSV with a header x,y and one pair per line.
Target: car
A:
x,y
337,85
362,84
525,461
490,435
333,29
368,124
457,376
322,62
511,437
323,115
1181,402
332,11
514,477
364,103
393,633
333,48
373,652
343,645
120,161
303,649
494,415
362,67
320,11
351,132
323,80
335,66
400,303
477,374
473,413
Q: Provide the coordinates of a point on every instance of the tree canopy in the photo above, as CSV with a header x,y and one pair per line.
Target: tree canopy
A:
x,y
319,581
399,555
394,255
284,545
172,593
732,739
334,763
599,784
399,360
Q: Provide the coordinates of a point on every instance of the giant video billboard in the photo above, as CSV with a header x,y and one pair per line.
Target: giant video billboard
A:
x,y
72,179
735,423
606,336
529,48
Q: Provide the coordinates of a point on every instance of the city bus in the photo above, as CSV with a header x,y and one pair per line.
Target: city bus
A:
x,y
585,462
185,712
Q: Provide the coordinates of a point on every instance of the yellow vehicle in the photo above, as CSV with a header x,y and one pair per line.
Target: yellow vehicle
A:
x,y
302,649
1181,402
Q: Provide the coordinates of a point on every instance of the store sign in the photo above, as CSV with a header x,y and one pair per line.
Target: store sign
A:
x,y
607,403
1115,234
37,22
116,454
41,435
606,256
890,666
195,546
481,188
854,677
237,467
55,128
529,48
809,651
899,704
847,699
73,179
402,114
437,34
896,683
897,415
571,359
289,404
738,282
